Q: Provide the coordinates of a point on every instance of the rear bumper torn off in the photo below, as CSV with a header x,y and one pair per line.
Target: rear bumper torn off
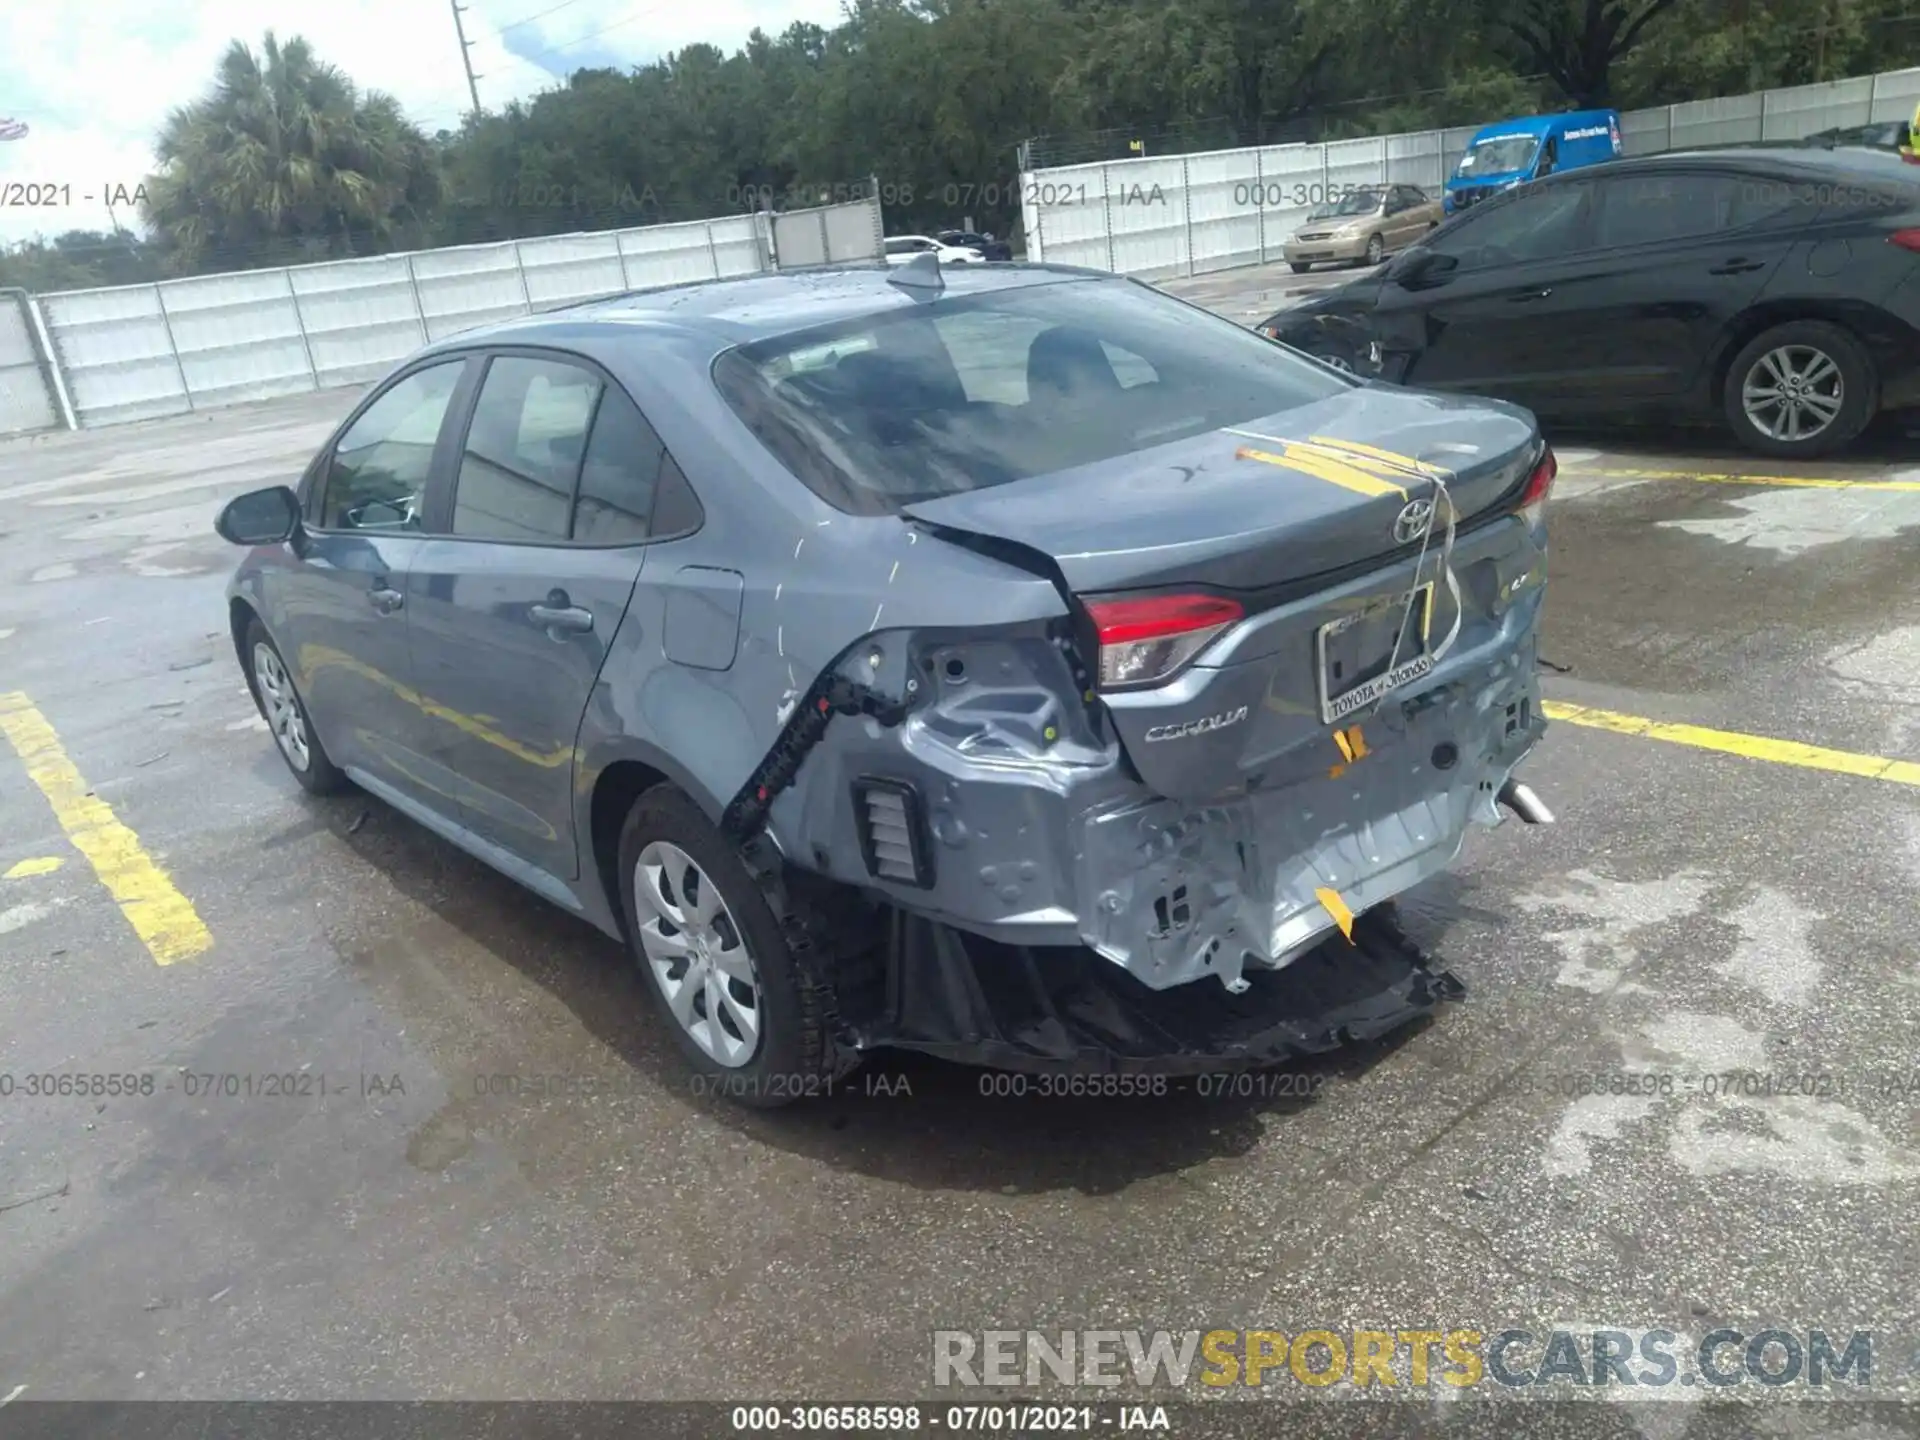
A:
x,y
1174,892
979,1002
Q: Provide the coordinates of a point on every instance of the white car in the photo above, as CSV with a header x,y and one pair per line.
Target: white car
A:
x,y
902,248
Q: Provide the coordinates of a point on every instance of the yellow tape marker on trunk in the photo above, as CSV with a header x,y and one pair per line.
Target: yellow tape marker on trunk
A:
x,y
161,916
1331,902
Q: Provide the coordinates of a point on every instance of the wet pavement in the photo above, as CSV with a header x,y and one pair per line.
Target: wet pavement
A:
x,y
456,1156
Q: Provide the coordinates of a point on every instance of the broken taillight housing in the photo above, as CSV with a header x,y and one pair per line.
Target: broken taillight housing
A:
x,y
1533,499
1147,639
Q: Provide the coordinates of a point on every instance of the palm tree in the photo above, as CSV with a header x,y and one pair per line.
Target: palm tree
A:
x,y
285,159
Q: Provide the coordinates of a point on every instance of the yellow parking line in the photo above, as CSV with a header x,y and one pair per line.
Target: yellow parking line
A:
x,y
1809,482
38,865
1730,742
161,916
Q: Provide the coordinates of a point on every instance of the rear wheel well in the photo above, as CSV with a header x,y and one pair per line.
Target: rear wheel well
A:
x,y
1867,324
614,793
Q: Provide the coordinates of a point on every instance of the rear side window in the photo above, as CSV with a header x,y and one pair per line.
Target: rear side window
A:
x,y
617,481
378,472
523,450
1648,209
972,392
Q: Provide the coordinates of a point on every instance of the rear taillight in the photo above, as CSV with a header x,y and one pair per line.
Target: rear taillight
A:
x,y
1906,239
1145,639
1533,499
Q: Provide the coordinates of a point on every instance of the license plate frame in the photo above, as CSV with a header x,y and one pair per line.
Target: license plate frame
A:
x,y
1363,694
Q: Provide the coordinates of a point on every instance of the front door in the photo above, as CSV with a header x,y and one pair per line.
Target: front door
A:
x,y
519,592
343,626
1495,322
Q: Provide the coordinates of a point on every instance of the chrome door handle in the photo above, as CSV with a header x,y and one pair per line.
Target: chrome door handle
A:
x,y
559,620
385,600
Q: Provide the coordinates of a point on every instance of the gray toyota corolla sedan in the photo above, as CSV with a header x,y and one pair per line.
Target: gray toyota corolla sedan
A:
x,y
1016,664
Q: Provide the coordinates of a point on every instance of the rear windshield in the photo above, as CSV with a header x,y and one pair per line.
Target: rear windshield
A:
x,y
961,394
1499,155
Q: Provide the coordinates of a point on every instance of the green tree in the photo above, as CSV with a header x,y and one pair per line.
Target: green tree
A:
x,y
1575,43
284,159
79,260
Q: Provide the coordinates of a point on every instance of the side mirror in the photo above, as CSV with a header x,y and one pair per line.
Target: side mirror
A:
x,y
260,517
1420,268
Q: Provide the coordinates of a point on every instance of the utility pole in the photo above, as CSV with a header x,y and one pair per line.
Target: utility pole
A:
x,y
465,58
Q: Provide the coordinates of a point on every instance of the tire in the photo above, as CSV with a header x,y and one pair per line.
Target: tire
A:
x,y
286,715
791,1053
1376,250
1819,363
1299,267
1337,361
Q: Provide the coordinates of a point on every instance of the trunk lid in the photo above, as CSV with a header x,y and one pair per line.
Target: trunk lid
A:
x,y
1294,516
1269,504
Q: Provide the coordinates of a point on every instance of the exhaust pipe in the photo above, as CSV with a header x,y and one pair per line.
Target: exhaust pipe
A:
x,y
1518,797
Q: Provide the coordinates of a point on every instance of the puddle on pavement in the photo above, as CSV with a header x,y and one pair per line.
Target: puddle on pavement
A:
x,y
1793,520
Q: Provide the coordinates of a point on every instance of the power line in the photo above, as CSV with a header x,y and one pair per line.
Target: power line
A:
x,y
591,34
541,15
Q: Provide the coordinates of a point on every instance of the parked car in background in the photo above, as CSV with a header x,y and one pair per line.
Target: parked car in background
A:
x,y
1513,152
759,621
1777,290
902,248
991,248
1364,227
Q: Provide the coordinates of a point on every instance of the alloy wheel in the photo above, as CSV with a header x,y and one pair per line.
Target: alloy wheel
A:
x,y
697,955
1793,393
289,726
1376,250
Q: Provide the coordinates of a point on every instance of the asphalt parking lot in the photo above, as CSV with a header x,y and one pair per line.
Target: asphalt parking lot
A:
x,y
1733,669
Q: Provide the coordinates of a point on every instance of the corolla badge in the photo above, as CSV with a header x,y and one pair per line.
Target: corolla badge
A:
x,y
1413,521
1198,727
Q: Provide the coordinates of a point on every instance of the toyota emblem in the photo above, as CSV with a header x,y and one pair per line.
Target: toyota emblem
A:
x,y
1412,522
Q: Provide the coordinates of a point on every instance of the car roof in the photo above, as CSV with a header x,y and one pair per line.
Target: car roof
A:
x,y
758,307
1858,161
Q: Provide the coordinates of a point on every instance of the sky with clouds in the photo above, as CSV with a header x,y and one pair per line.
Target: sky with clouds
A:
x,y
94,85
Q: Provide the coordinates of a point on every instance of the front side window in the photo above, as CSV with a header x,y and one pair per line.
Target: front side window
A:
x,y
377,475
965,393
523,450
1530,224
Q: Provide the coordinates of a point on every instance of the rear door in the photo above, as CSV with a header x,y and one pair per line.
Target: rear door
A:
x,y
540,539
1680,253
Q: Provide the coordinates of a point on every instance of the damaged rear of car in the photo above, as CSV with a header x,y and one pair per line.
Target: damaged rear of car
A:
x,y
1165,657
